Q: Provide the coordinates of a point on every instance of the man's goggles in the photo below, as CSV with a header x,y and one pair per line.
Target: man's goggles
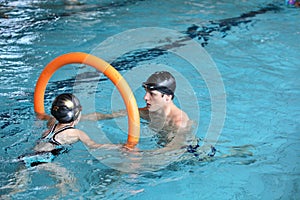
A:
x,y
162,89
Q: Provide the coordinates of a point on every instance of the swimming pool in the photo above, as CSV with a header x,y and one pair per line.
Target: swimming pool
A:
x,y
254,46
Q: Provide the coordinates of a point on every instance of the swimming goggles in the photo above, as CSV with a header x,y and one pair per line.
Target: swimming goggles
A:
x,y
162,89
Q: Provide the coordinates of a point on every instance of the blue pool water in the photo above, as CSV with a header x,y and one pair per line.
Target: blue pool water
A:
x,y
254,45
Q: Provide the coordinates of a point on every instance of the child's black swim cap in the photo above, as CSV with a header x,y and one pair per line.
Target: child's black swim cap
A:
x,y
66,108
161,81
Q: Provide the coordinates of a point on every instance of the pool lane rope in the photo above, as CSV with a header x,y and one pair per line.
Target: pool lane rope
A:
x,y
109,71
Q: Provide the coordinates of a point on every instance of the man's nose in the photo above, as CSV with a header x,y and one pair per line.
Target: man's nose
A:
x,y
146,97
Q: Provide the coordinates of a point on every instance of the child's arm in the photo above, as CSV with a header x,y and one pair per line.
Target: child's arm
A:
x,y
83,137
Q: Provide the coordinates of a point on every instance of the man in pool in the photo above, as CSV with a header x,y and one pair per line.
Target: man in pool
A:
x,y
172,125
160,88
161,112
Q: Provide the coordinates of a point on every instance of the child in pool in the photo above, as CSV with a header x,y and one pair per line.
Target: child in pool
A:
x,y
66,110
66,113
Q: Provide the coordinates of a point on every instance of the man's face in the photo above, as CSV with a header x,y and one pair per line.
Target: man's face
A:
x,y
154,99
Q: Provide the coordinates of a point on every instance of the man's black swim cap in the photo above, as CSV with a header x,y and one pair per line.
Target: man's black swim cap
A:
x,y
161,81
66,108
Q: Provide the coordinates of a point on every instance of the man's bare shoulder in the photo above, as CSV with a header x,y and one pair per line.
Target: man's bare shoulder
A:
x,y
180,119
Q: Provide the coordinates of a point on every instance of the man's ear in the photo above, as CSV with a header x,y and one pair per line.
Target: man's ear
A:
x,y
168,98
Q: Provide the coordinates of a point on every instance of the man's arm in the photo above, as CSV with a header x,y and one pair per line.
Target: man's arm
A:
x,y
100,116
144,113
